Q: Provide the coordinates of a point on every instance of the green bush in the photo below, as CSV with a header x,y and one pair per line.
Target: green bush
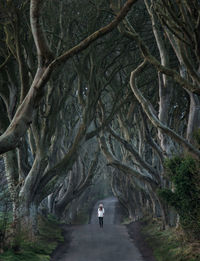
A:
x,y
168,245
25,255
185,197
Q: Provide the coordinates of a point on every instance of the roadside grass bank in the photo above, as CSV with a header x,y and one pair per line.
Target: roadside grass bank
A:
x,y
139,238
49,236
170,244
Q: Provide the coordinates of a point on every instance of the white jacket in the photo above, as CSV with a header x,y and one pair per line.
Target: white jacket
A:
x,y
101,212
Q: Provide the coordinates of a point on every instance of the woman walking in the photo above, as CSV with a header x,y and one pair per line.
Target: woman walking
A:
x,y
101,215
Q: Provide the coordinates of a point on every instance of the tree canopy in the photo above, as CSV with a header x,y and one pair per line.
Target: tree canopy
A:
x,y
92,88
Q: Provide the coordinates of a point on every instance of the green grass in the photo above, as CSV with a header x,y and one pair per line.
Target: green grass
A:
x,y
168,245
47,240
24,255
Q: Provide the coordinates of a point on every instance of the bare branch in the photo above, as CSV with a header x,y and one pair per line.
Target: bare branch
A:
x,y
160,68
148,109
43,51
134,152
112,161
23,117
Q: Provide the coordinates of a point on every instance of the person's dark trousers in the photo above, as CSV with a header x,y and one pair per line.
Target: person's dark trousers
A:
x,y
101,221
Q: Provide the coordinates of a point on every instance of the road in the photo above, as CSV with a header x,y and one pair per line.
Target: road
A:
x,y
110,243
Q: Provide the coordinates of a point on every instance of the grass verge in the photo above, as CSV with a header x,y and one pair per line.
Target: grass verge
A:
x,y
49,236
169,245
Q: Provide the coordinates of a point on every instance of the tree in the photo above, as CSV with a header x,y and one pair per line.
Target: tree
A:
x,y
30,138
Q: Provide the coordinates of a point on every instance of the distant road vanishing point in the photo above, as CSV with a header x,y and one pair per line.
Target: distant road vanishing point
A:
x,y
92,243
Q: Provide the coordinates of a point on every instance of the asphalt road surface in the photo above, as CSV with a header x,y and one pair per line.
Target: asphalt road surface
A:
x,y
110,243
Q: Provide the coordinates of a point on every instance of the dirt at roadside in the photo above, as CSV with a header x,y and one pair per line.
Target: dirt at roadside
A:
x,y
62,248
134,230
